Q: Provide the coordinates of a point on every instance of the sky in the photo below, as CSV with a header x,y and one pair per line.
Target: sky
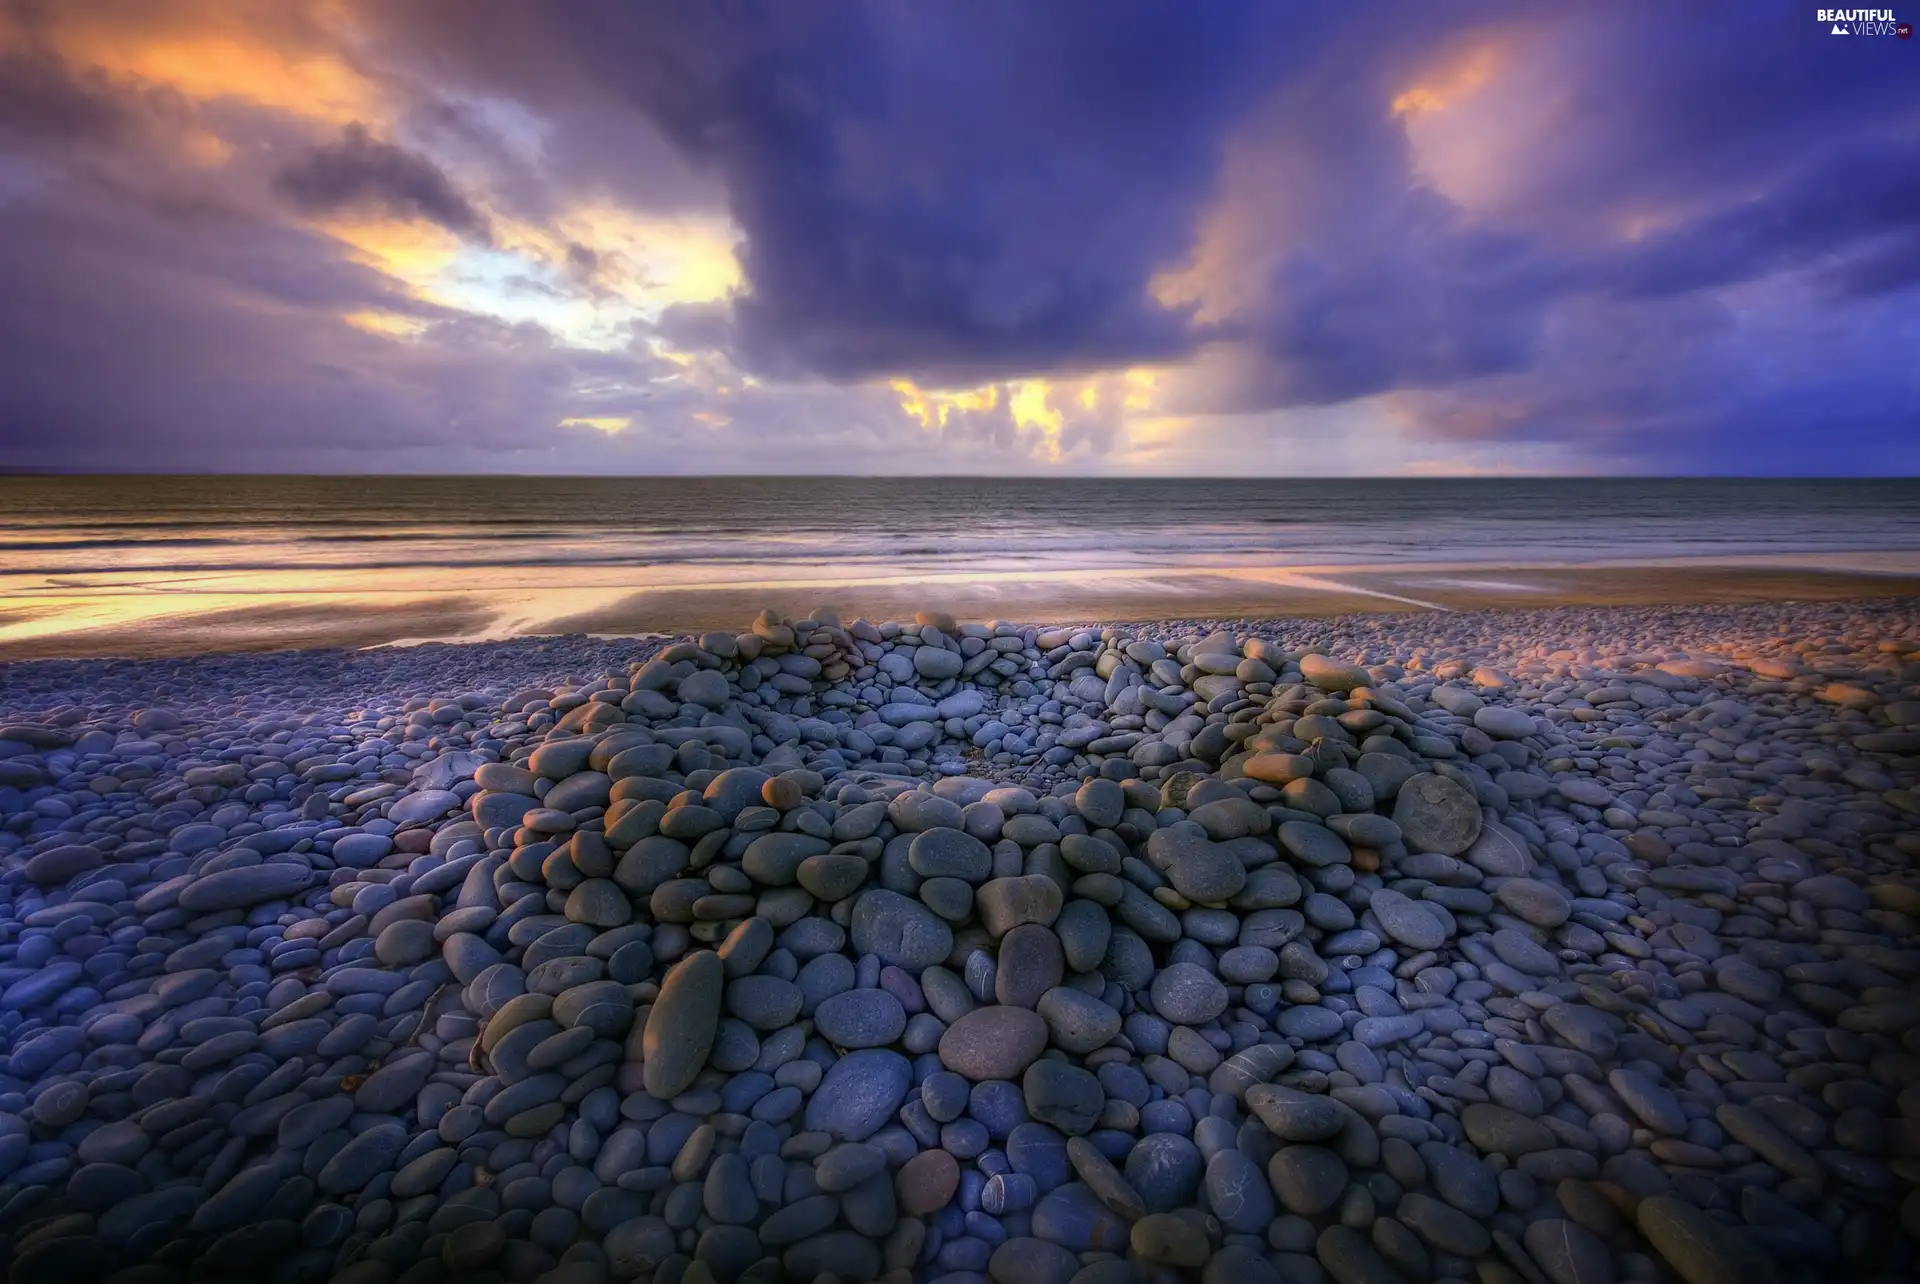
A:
x,y
1052,237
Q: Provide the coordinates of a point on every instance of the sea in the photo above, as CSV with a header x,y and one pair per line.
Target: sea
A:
x,y
87,551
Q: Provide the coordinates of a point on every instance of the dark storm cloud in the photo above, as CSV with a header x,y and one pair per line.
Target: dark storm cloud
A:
x,y
43,101
1855,193
965,193
948,191
360,173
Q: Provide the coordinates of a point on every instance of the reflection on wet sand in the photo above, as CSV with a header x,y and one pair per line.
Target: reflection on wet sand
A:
x,y
287,610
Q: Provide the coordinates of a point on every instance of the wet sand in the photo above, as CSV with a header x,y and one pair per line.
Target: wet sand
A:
x,y
279,627
352,620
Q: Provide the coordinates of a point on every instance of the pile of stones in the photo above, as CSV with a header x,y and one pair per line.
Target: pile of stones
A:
x,y
1353,951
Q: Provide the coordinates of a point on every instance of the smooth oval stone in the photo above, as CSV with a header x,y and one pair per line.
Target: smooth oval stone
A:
x,y
831,876
1497,1130
1076,1021
1307,1179
903,933
844,1254
995,1042
1407,921
1332,675
1444,1227
1567,1252
246,885
1436,815
1700,1249
859,1094
860,1019
949,853
58,864
799,1220
1313,845
120,1142
427,804
603,1007
1007,903
1188,994
599,902
1504,722
846,1166
1071,1217
1238,1193
926,1183
1028,964
764,1002
97,1187
774,860
1171,1241
1462,1179
681,1027
362,1159
1296,1116
1165,1169
1063,1096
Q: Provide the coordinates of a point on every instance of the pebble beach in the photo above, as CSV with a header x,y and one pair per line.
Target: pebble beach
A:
x,y
1570,945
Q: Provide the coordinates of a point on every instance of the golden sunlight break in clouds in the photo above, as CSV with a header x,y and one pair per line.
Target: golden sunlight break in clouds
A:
x,y
1027,402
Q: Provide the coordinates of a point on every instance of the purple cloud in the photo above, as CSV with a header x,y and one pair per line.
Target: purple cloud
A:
x,y
361,174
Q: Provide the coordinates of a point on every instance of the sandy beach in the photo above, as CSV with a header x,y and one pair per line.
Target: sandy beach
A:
x,y
51,624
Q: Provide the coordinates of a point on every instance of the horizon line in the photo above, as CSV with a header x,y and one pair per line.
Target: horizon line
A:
x,y
9,471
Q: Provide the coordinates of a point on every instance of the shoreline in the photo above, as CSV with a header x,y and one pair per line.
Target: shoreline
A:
x,y
235,623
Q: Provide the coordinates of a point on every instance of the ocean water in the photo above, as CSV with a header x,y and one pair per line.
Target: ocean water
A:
x,y
86,551
200,526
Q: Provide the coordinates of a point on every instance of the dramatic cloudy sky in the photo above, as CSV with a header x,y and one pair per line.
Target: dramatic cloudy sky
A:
x,y
1092,236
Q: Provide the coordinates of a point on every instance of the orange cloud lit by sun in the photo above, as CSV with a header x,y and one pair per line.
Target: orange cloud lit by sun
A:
x,y
1454,78
207,53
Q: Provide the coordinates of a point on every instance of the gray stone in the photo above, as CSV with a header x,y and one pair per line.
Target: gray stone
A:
x,y
1332,675
1567,1252
1497,1130
860,1094
860,1019
937,662
993,1043
949,853
1407,921
902,932
1188,994
1308,1180
1655,1106
1293,1115
681,1027
1538,903
1063,1096
1436,815
428,804
1077,1021
1700,1249
246,885
1503,722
